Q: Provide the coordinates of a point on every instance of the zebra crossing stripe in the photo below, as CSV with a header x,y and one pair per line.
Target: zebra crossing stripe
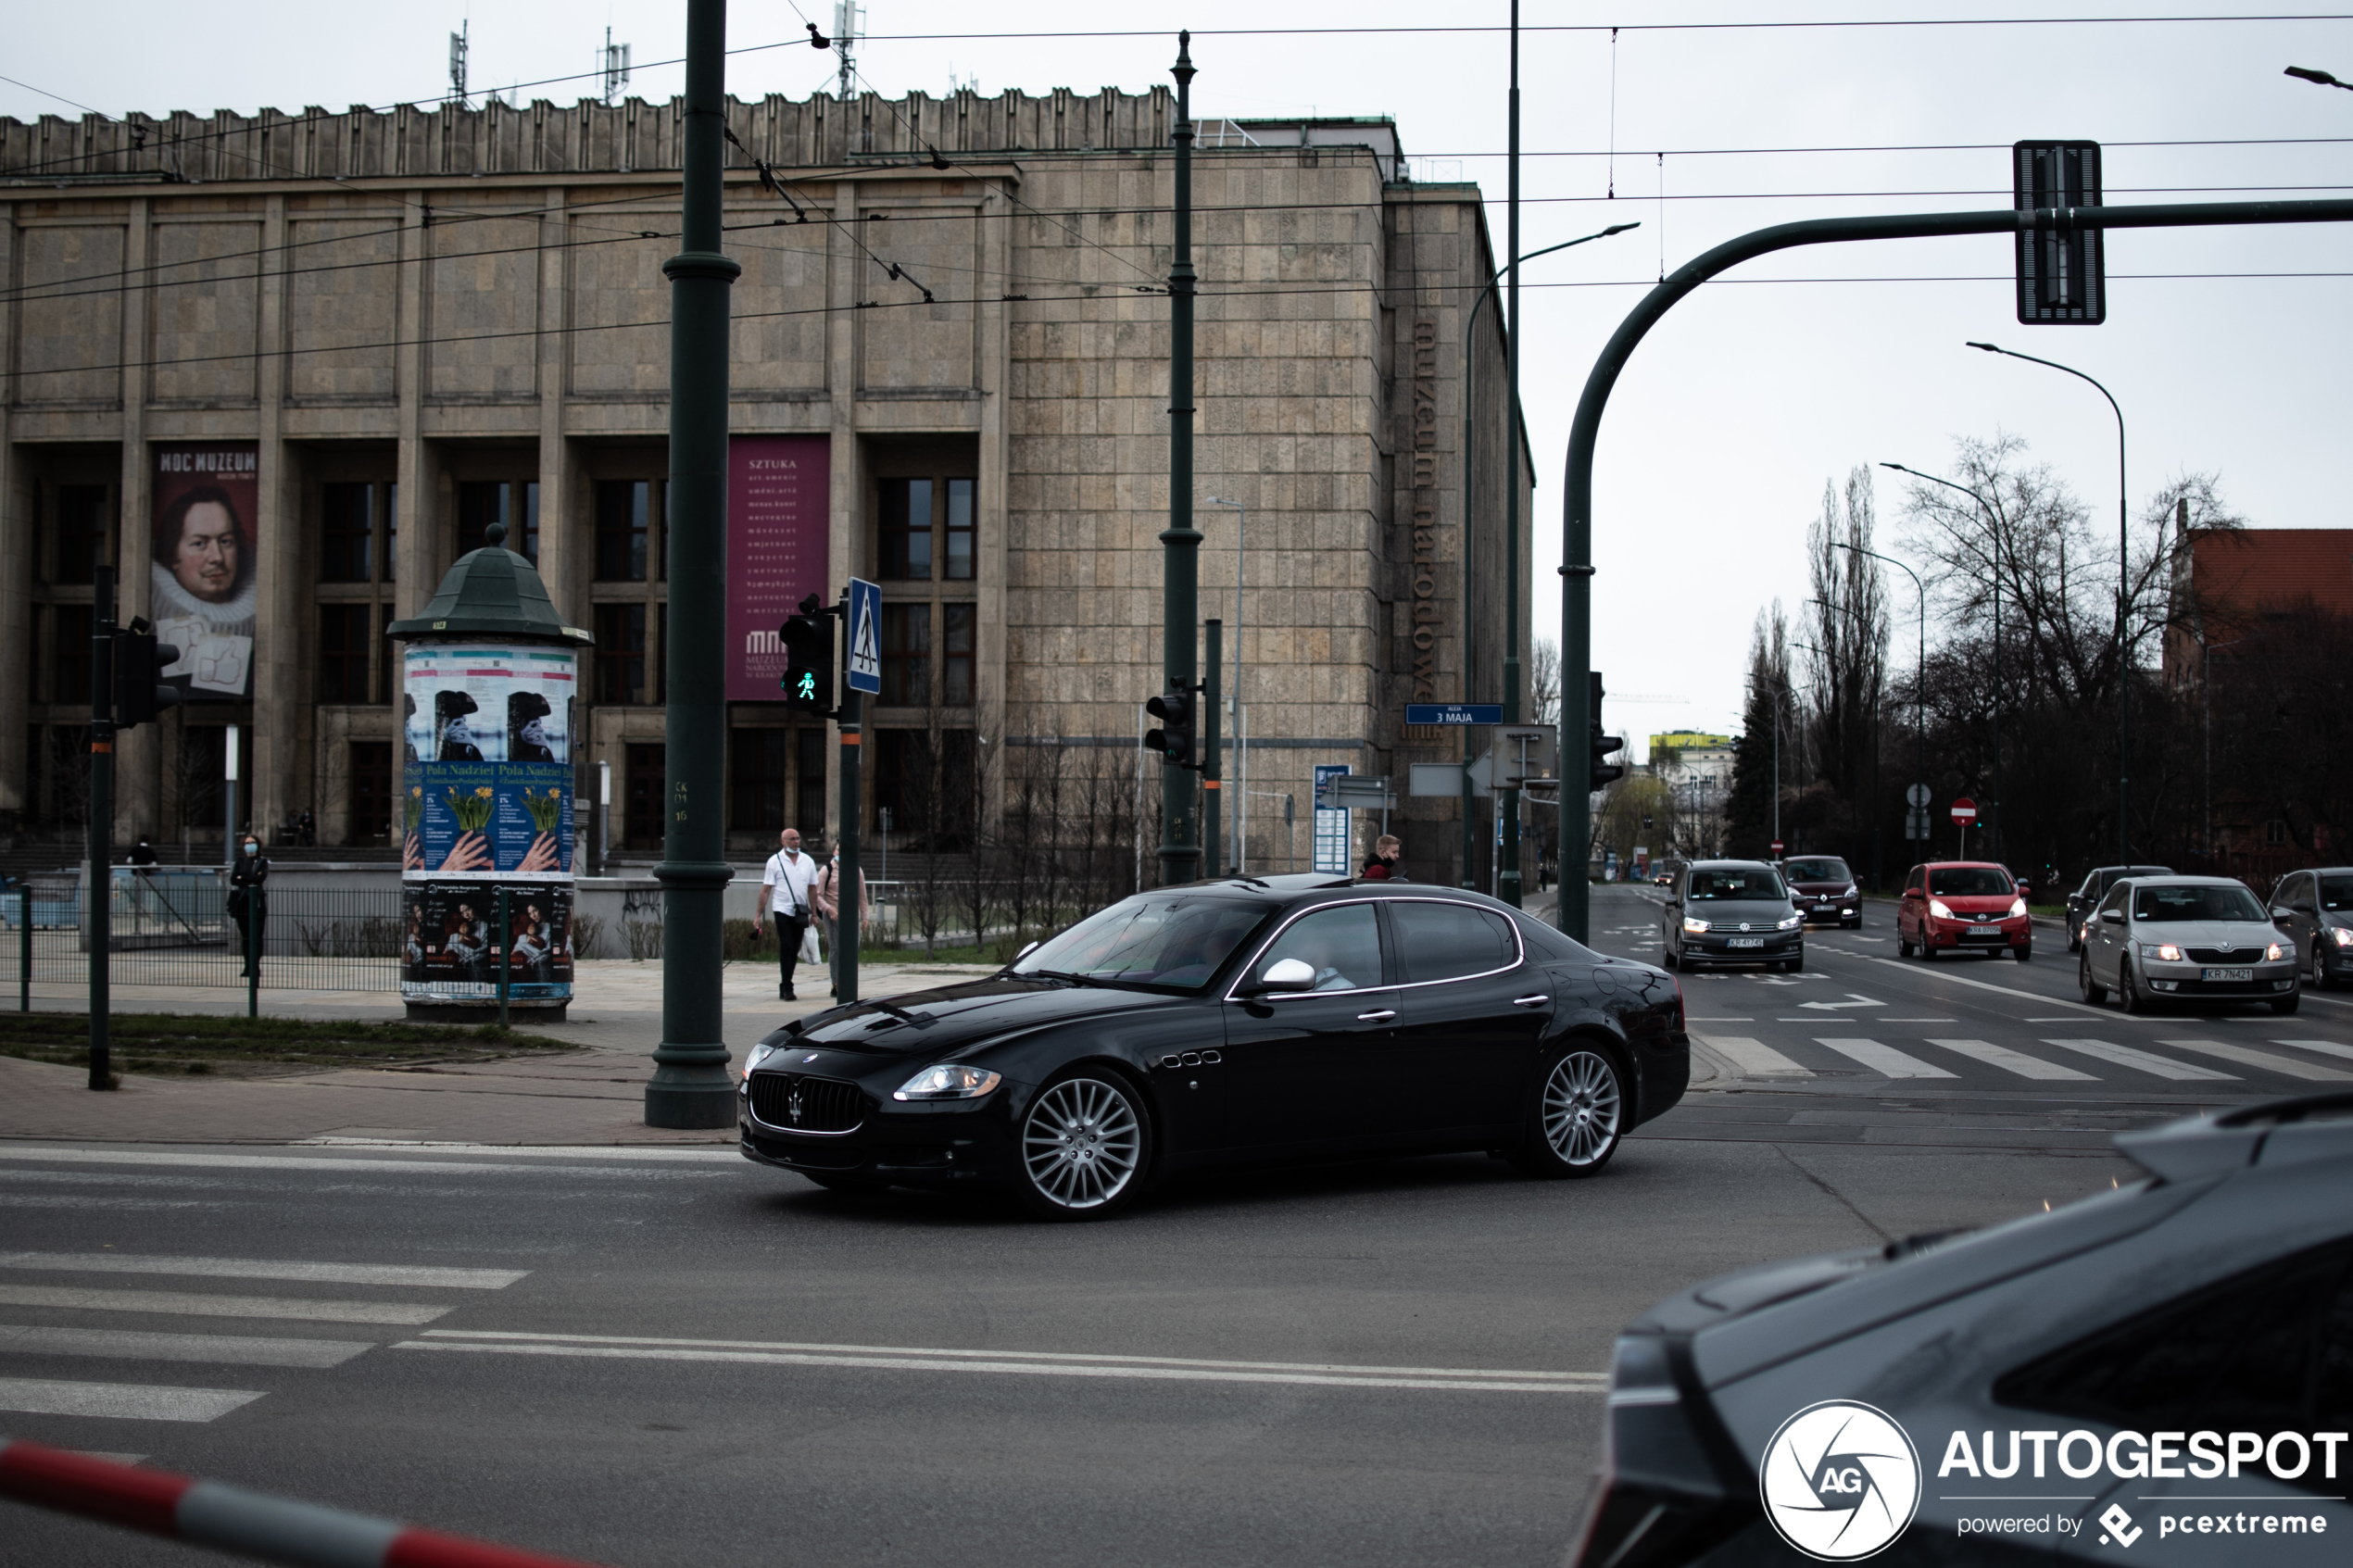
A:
x,y
121,1401
262,1268
1883,1059
1753,1058
2017,1063
197,1305
222,1350
2263,1059
2142,1061
2326,1047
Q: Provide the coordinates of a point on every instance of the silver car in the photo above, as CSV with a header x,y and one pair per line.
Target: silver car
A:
x,y
2185,938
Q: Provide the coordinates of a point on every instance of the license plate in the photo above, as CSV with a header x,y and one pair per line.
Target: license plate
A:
x,y
1985,931
1747,942
2240,976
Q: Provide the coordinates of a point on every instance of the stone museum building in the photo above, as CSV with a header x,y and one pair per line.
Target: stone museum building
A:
x,y
281,371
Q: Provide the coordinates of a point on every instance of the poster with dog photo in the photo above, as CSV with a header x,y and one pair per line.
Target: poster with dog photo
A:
x,y
490,776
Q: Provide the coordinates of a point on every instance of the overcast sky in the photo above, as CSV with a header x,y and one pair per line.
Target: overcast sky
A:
x,y
1752,394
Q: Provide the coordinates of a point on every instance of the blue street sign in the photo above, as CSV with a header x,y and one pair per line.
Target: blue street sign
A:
x,y
865,637
1453,713
1331,844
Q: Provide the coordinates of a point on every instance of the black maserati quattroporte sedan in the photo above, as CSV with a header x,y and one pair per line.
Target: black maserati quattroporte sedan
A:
x,y
1228,1022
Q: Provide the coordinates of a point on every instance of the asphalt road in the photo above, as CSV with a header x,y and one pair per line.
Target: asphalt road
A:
x,y
669,1355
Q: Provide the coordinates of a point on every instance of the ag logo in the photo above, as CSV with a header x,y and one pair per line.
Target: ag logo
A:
x,y
1840,1481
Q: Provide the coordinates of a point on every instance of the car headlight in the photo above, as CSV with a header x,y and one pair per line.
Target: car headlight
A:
x,y
1693,926
950,1080
1940,908
2343,935
759,1053
2018,907
1852,891
1792,922
2275,952
2165,950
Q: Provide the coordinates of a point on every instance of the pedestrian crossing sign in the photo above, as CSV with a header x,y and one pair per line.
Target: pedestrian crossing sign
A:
x,y
865,637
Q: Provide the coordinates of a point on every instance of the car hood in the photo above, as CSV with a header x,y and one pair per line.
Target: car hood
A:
x,y
1768,913
2240,933
932,1022
1976,903
1818,888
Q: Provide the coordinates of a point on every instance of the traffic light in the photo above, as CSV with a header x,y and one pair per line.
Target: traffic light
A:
x,y
2062,268
139,694
1174,739
808,680
1604,773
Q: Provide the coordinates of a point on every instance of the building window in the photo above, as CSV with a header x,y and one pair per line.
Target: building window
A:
x,y
347,534
906,656
345,644
484,502
756,779
960,530
956,650
662,655
624,529
809,812
83,532
2275,832
906,530
620,652
70,626
370,792
641,807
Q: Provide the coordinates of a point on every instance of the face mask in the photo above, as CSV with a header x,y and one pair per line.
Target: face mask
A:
x,y
253,848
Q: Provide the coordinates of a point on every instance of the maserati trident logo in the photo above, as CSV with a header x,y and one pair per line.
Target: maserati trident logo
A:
x,y
792,1106
1840,1480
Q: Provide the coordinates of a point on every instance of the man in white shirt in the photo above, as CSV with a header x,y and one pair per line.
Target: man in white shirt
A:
x,y
784,893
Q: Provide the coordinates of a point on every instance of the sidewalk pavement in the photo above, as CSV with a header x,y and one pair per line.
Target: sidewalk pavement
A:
x,y
592,1096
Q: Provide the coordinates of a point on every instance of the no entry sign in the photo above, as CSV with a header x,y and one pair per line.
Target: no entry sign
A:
x,y
1778,847
1964,811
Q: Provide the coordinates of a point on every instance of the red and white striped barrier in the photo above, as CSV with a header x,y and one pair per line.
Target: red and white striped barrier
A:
x,y
231,1519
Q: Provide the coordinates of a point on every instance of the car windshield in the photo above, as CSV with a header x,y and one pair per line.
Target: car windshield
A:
x,y
2336,893
1971,881
1153,940
1749,883
1817,870
2155,903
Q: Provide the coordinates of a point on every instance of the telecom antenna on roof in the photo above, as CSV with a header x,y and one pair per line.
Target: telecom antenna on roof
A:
x,y
616,66
458,64
849,26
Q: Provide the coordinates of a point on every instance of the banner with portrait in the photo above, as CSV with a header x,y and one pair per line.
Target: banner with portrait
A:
x,y
202,563
454,945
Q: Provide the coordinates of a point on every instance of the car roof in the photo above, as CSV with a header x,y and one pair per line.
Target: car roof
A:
x,y
1726,865
2182,879
1964,865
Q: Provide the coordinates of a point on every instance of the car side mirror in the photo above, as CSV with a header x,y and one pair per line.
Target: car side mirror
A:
x,y
2282,916
2112,917
1286,974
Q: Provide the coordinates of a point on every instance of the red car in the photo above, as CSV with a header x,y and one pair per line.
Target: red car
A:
x,y
1963,905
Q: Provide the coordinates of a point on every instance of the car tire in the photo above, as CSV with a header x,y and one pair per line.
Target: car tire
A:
x,y
1903,948
2317,978
2128,992
1577,1118
2092,990
2287,1005
1795,965
833,1182
2074,938
1085,1147
1670,958
2024,954
1928,949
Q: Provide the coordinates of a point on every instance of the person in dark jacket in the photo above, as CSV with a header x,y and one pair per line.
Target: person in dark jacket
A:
x,y
249,902
142,853
1382,864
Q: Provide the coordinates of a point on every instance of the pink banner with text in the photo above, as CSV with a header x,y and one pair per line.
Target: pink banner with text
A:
x,y
779,504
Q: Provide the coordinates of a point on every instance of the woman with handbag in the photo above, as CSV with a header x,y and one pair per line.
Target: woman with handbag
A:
x,y
825,894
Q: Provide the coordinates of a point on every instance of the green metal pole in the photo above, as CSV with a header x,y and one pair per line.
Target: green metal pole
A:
x,y
256,903
1213,813
1180,542
503,948
24,944
99,885
690,1087
1508,801
849,722
1576,501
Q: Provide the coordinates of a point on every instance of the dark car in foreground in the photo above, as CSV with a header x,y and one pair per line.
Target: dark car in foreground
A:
x,y
1823,888
1226,1022
2185,940
2144,1370
1732,912
2314,911
2080,903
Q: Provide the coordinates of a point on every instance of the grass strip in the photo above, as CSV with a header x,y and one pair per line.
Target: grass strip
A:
x,y
171,1042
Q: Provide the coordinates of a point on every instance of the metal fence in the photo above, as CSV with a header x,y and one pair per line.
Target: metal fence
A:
x,y
171,928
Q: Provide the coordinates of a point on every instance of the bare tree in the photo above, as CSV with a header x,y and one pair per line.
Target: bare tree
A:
x,y
1544,682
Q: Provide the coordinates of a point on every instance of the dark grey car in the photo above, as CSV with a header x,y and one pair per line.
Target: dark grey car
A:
x,y
2080,903
2147,1368
1732,912
2184,939
2314,911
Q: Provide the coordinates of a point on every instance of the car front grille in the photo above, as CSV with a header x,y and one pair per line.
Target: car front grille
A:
x,y
807,1105
2223,955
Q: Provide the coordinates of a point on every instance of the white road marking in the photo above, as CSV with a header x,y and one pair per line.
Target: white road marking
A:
x,y
1031,1362
1949,976
127,1205
1916,1020
1720,1021
2326,1047
193,1305
226,1350
122,1401
551,1151
2264,1059
51,1155
1857,999
263,1268
2125,1055
1883,1059
2009,1060
1754,1058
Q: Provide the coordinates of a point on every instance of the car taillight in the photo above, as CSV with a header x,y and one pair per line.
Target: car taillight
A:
x,y
1659,1498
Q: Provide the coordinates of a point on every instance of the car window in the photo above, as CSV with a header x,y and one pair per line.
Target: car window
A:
x,y
1448,941
2292,888
2162,903
1749,883
1817,870
1341,945
2115,900
1970,881
1545,942
2263,1351
2336,893
1914,884
1152,939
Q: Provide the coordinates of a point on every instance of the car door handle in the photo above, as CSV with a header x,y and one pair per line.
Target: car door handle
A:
x,y
1381,1016
1529,1001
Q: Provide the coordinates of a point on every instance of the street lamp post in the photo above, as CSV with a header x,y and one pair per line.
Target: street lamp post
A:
x,y
1241,723
1508,802
1994,535
1920,679
2123,590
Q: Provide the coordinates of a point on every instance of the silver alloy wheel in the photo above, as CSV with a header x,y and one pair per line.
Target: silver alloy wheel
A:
x,y
1081,1143
1580,1108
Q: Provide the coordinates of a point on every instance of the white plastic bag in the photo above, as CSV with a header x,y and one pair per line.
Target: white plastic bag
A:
x,y
808,953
